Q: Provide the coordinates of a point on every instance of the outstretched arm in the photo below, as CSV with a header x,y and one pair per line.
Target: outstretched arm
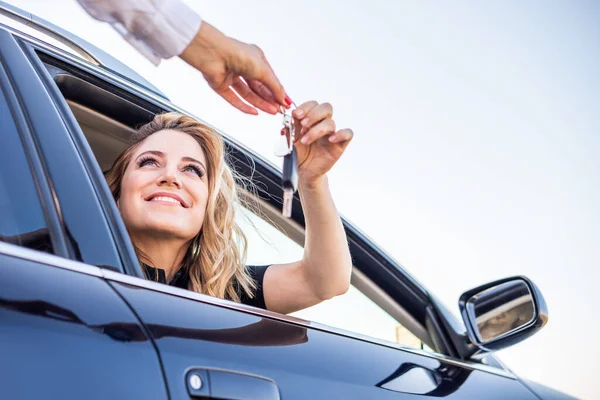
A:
x,y
326,266
161,29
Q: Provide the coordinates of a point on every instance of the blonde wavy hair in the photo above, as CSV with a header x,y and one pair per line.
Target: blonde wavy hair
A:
x,y
215,258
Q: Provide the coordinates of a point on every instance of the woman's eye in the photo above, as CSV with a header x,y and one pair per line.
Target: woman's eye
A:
x,y
146,161
194,169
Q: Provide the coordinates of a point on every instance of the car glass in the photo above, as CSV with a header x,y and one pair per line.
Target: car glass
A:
x,y
22,220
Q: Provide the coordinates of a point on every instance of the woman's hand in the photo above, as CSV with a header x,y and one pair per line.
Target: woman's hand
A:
x,y
318,144
326,265
228,64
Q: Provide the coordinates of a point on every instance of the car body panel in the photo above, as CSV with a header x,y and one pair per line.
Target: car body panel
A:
x,y
546,393
303,362
66,334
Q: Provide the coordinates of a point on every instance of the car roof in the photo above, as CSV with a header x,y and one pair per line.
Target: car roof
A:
x,y
85,49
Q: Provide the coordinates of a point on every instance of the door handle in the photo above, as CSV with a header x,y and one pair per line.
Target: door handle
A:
x,y
229,385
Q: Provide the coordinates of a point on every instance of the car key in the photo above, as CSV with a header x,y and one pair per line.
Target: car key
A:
x,y
286,149
289,182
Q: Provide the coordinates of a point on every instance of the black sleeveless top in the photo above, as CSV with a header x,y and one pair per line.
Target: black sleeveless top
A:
x,y
182,279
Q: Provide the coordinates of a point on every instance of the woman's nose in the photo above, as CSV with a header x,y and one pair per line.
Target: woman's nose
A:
x,y
170,176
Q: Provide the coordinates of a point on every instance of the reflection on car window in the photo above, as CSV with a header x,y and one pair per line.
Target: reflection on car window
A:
x,y
352,311
21,217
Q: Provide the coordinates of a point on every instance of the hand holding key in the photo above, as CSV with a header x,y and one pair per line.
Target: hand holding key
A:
x,y
289,177
318,144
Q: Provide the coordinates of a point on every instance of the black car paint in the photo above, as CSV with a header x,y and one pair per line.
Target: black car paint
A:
x,y
305,363
69,334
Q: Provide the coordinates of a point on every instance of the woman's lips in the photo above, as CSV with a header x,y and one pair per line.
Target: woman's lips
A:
x,y
167,198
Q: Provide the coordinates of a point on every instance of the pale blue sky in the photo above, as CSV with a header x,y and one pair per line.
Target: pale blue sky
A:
x,y
477,147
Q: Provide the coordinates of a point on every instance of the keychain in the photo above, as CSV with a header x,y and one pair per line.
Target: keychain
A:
x,y
285,148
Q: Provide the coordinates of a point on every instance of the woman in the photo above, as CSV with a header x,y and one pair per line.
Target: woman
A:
x,y
177,197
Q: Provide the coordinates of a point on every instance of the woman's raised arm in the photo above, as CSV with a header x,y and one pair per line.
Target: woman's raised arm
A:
x,y
325,269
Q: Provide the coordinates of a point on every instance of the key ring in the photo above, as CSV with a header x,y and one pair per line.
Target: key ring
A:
x,y
288,134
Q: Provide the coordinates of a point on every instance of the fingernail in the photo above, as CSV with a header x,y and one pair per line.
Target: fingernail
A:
x,y
332,138
304,140
288,101
299,113
304,122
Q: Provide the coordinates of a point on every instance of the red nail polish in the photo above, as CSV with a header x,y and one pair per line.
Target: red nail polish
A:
x,y
288,100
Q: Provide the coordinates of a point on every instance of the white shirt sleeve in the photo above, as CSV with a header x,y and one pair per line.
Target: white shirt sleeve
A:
x,y
159,29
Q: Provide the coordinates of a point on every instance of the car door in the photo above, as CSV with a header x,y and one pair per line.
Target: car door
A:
x,y
213,348
241,352
64,332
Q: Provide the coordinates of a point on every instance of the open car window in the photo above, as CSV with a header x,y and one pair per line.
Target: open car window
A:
x,y
108,116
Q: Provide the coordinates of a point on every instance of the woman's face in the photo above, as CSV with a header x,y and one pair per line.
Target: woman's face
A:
x,y
164,191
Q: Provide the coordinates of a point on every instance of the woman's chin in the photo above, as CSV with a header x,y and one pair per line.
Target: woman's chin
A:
x,y
169,230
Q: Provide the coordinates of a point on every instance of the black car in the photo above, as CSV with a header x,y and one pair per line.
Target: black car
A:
x,y
78,319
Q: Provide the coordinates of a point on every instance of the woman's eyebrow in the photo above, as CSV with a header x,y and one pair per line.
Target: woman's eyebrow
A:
x,y
161,154
193,160
155,152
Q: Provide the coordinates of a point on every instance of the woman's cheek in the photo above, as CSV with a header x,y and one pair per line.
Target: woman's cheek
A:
x,y
202,196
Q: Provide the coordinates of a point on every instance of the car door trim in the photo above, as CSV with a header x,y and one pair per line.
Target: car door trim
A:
x,y
25,253
119,233
44,186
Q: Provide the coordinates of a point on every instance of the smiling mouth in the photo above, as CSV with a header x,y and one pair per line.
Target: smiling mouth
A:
x,y
163,199
167,199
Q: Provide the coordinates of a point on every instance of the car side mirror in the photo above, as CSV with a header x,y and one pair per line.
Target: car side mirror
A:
x,y
502,313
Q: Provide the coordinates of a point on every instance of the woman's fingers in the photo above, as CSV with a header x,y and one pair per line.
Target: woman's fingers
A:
x,y
252,97
303,109
219,58
343,136
323,128
313,121
235,101
264,73
263,91
299,113
316,115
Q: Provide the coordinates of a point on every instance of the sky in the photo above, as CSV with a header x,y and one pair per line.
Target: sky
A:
x,y
476,153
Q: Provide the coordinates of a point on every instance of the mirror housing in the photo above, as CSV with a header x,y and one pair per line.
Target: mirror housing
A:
x,y
502,313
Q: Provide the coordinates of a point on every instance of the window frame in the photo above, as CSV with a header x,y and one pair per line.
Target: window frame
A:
x,y
115,244
39,173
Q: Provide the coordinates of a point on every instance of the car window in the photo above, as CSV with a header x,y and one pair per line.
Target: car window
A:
x,y
108,135
22,220
352,311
